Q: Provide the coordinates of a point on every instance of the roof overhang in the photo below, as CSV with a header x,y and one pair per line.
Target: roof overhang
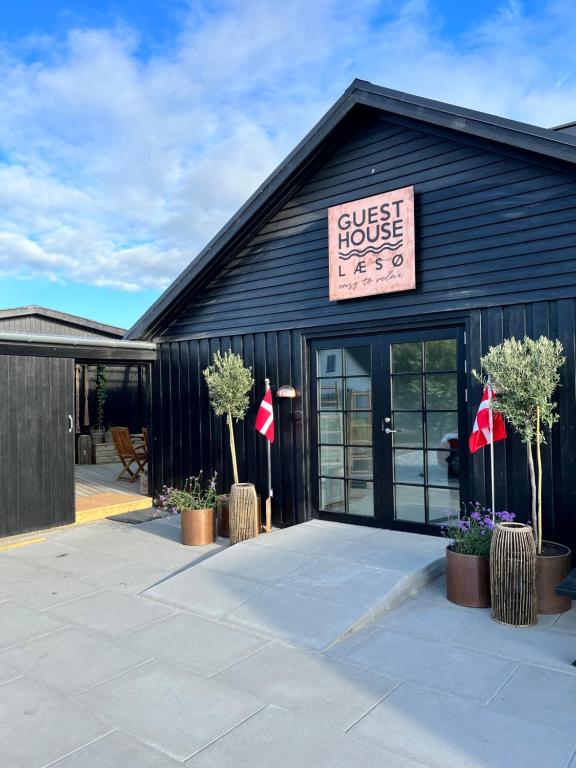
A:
x,y
80,348
545,142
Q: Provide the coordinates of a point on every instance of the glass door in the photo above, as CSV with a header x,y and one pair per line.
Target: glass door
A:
x,y
423,430
343,429
386,428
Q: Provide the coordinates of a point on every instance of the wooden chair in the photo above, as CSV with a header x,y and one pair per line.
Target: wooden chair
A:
x,y
128,453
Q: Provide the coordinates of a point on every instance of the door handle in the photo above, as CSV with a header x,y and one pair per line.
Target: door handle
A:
x,y
389,431
70,423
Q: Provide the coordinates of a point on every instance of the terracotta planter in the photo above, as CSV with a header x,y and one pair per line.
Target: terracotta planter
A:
x,y
223,515
552,566
467,579
197,527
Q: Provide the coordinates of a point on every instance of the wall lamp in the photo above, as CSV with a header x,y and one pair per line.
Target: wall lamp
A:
x,y
286,390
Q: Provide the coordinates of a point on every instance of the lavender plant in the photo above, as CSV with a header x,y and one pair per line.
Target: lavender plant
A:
x,y
471,531
194,495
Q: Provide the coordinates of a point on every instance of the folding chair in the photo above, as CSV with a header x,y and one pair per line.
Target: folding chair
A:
x,y
128,453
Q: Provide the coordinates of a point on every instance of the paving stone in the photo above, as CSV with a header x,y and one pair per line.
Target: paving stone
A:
x,y
539,694
309,684
343,582
112,613
37,727
82,562
435,590
283,739
202,645
346,531
426,619
438,665
205,592
305,540
390,557
14,569
48,589
132,578
71,660
537,645
449,732
258,563
169,708
6,674
19,623
116,750
566,622
298,619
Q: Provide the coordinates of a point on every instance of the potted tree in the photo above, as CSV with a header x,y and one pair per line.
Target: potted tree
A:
x,y
229,382
467,556
525,375
195,505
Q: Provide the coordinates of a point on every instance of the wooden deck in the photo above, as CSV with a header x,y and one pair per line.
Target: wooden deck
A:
x,y
94,479
99,494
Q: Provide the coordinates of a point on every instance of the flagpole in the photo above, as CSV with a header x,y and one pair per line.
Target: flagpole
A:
x,y
268,524
491,423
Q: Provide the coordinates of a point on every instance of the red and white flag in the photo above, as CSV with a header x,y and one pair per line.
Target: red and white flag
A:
x,y
265,417
482,435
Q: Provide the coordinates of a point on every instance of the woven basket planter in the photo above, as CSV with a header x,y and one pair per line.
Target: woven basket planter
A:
x,y
243,512
513,575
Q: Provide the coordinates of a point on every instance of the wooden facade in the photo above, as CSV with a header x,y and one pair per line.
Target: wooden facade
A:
x,y
495,215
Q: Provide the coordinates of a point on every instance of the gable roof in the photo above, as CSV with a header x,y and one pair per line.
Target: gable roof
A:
x,y
33,310
550,143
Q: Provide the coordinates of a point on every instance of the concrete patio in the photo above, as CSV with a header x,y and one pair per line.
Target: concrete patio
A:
x,y
320,645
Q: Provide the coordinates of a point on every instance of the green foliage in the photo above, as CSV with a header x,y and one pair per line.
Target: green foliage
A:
x,y
101,394
524,375
229,383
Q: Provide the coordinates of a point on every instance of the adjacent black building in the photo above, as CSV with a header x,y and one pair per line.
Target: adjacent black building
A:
x,y
378,432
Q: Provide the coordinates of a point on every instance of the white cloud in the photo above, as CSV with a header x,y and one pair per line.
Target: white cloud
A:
x,y
115,167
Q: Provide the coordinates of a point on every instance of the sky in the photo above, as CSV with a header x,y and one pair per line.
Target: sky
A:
x,y
131,130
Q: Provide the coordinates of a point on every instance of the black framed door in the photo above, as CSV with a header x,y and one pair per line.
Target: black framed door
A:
x,y
387,419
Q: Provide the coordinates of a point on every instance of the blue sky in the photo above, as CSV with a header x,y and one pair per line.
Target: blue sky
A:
x,y
131,130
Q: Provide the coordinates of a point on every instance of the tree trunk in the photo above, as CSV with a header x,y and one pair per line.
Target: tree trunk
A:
x,y
534,493
232,447
539,464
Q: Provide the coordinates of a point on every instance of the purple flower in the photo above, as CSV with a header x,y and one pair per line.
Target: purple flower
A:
x,y
488,522
476,516
464,525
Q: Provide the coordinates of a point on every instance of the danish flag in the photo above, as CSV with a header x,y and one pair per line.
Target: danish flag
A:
x,y
484,433
265,417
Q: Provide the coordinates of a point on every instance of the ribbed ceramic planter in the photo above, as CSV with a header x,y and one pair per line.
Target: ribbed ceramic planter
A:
x,y
197,527
467,579
513,575
552,566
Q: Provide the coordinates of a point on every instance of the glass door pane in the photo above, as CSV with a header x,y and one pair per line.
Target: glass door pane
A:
x,y
425,440
345,430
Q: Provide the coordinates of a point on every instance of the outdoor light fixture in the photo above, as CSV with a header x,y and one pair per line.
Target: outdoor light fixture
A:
x,y
286,390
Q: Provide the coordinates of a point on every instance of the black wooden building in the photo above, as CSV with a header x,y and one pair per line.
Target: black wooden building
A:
x,y
37,407
385,398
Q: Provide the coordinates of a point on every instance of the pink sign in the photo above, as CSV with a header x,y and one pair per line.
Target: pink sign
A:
x,y
371,245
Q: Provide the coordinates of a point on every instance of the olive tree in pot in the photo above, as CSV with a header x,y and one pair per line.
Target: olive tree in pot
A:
x,y
525,375
229,382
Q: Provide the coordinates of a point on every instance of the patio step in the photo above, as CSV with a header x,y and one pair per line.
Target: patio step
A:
x,y
101,505
311,585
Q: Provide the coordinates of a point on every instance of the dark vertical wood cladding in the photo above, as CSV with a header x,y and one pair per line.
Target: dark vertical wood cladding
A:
x,y
189,437
36,449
